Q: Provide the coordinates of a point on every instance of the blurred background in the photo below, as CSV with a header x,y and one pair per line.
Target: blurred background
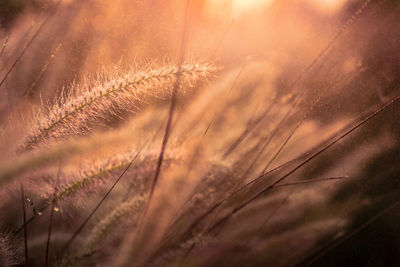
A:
x,y
50,44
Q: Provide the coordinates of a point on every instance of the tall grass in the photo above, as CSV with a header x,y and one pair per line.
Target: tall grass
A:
x,y
74,114
238,142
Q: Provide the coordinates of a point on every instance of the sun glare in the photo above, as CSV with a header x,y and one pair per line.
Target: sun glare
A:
x,y
245,5
327,6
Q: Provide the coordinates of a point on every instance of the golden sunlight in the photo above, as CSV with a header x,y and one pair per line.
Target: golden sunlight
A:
x,y
327,6
238,7
199,133
245,5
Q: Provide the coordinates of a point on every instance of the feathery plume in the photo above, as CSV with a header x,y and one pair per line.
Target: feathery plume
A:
x,y
79,111
108,223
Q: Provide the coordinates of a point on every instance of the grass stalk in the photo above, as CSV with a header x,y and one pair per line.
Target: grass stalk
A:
x,y
25,228
75,113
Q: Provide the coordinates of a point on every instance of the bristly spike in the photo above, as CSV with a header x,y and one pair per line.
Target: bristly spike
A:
x,y
84,108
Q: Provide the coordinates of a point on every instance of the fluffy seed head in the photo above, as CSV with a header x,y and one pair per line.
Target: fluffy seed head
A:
x,y
88,106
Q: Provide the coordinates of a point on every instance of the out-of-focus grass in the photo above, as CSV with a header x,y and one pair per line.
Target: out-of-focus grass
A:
x,y
290,75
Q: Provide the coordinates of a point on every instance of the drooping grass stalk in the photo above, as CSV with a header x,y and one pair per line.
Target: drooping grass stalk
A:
x,y
31,161
80,228
75,113
101,174
87,180
109,223
74,261
93,176
127,210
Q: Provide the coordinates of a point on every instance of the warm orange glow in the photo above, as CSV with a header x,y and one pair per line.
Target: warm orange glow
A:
x,y
199,132
327,6
243,5
238,6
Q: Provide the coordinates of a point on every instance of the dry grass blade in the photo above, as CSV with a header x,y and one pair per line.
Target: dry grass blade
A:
x,y
307,181
234,84
252,125
31,90
47,19
176,85
227,207
24,221
269,140
355,16
282,146
47,253
49,231
263,188
337,242
4,46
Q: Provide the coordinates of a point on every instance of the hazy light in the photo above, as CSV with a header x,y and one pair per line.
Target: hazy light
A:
x,y
241,6
235,7
327,6
249,4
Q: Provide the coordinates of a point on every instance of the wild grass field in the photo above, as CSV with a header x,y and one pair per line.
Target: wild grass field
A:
x,y
199,133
